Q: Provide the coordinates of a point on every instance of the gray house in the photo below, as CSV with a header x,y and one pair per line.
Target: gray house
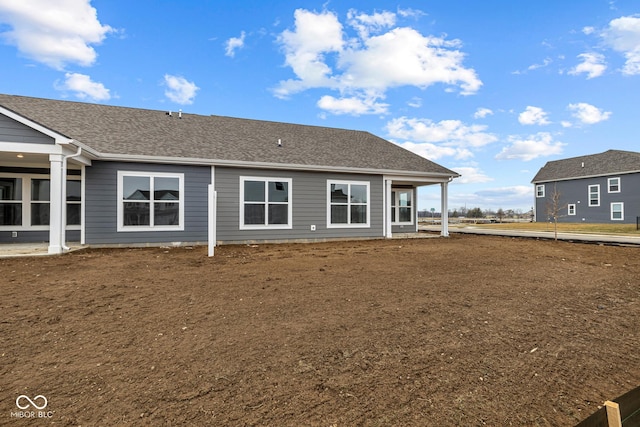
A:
x,y
599,188
103,175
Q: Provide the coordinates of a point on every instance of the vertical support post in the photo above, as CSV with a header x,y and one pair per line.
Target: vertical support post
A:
x,y
444,207
56,220
387,208
414,208
212,219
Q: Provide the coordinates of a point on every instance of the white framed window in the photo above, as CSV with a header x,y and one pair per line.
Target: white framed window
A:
x,y
11,205
594,195
150,201
614,185
571,209
617,211
265,203
25,201
540,190
348,204
401,206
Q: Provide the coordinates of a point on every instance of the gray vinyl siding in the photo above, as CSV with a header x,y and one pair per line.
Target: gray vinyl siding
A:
x,y
309,198
35,236
101,205
577,192
13,131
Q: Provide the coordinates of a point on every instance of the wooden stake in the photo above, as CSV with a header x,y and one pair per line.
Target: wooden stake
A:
x,y
613,414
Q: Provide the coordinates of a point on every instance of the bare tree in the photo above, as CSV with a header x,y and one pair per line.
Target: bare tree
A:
x,y
554,209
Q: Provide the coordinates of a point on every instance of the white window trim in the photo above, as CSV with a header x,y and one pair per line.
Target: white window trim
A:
x,y
396,207
267,226
621,211
348,225
571,209
26,202
619,185
589,195
539,194
180,201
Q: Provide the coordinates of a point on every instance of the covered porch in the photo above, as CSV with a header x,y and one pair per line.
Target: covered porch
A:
x,y
400,201
41,197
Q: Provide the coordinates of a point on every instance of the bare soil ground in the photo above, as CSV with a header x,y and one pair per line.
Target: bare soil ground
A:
x,y
470,330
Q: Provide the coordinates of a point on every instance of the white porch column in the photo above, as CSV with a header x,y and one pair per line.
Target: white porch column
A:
x,y
444,219
387,208
56,205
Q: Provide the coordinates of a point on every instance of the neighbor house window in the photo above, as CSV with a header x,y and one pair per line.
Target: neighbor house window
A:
x,y
571,209
401,207
265,203
10,201
617,211
150,201
348,204
540,190
614,185
594,195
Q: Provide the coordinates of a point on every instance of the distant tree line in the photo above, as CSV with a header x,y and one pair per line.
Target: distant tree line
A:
x,y
476,212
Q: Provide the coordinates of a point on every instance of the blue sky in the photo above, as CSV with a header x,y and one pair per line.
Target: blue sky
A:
x,y
490,89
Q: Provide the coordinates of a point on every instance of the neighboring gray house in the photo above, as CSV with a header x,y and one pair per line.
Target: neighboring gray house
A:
x,y
600,188
104,175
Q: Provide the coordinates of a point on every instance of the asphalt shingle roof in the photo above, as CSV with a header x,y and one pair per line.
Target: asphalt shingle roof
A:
x,y
608,163
112,130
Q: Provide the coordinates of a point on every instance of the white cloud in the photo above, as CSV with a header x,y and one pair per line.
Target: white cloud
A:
x,y
531,147
233,44
588,30
470,175
402,57
366,24
593,64
84,88
623,35
354,106
54,33
179,90
545,63
588,114
449,133
506,193
533,116
410,13
434,152
322,55
481,113
315,35
415,102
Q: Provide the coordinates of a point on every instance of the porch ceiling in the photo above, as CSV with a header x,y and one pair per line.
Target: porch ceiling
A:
x,y
9,159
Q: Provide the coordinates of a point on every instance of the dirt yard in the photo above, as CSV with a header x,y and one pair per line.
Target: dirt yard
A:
x,y
465,331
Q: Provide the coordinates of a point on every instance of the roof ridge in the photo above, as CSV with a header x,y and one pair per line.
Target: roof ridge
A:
x,y
204,116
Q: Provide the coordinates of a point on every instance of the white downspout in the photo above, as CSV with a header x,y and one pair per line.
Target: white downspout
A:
x,y
63,229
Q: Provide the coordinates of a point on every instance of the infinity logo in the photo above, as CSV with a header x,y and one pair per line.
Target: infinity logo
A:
x,y
31,402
